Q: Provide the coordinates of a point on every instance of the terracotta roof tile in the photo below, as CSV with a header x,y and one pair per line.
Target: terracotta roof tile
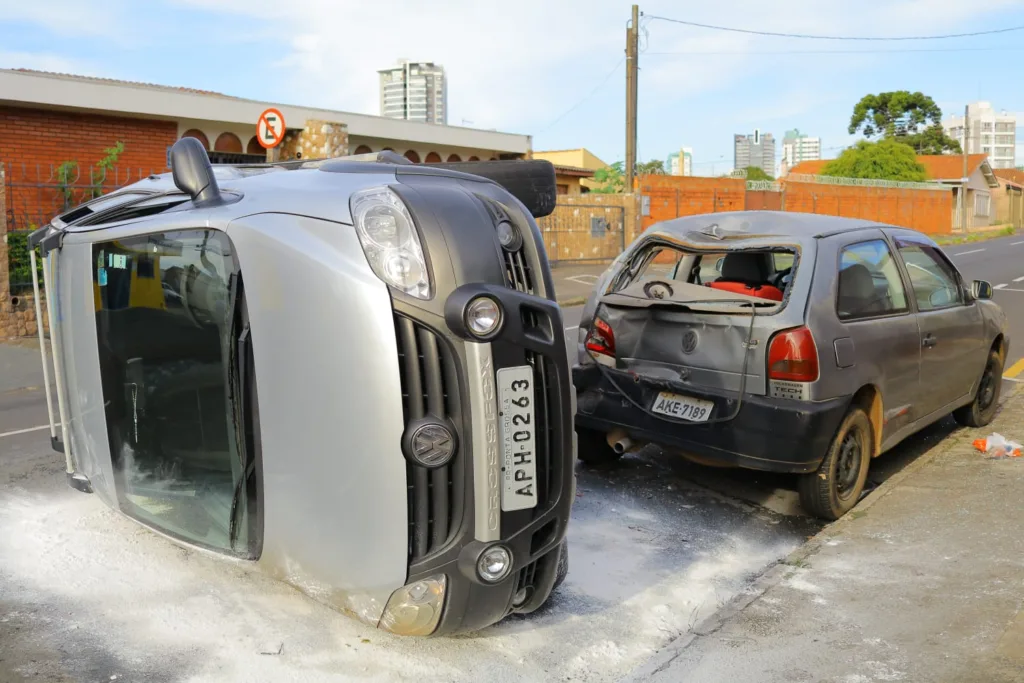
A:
x,y
1011,174
810,167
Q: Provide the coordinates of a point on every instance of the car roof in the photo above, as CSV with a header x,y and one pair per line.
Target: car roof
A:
x,y
740,224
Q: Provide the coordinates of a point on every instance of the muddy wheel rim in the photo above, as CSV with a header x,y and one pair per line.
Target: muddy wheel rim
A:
x,y
987,388
848,463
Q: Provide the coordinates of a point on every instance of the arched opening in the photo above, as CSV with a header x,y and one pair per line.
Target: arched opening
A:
x,y
198,135
254,146
412,156
494,158
363,149
474,158
454,157
433,158
387,149
228,142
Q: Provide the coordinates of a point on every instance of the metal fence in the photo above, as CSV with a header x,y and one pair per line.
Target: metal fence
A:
x,y
584,232
35,193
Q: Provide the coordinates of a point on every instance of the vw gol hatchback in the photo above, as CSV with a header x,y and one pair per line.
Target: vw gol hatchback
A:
x,y
785,342
350,373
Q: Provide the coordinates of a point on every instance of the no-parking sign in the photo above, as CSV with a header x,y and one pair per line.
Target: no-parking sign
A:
x,y
270,128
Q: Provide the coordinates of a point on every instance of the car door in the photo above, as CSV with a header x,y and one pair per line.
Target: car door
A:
x,y
952,344
879,333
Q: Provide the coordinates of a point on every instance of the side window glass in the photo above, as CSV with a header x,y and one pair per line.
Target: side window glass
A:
x,y
933,280
166,336
869,282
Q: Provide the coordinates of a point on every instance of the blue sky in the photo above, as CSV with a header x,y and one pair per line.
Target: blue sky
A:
x,y
549,68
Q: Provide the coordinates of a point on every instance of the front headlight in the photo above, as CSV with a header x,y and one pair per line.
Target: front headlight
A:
x,y
389,240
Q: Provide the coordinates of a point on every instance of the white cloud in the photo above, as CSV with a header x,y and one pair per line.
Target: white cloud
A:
x,y
66,17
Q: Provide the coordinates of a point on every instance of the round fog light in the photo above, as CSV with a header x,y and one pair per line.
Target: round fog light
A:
x,y
483,316
494,564
509,237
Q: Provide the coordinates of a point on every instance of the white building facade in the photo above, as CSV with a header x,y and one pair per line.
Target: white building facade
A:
x,y
797,147
681,162
414,91
991,133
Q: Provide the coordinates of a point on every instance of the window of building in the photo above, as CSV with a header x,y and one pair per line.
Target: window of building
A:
x,y
986,127
932,277
982,202
171,329
869,282
986,150
1004,127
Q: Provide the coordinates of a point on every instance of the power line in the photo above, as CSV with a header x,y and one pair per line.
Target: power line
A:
x,y
823,37
585,98
836,52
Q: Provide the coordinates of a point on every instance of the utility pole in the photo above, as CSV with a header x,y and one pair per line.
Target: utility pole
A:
x,y
963,186
632,39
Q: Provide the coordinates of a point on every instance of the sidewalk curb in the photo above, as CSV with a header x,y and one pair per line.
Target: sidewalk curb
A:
x,y
572,301
775,573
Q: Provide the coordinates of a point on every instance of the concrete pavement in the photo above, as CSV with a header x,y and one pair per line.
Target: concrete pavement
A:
x,y
922,582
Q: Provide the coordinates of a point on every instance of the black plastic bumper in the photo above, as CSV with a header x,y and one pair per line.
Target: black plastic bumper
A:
x,y
772,434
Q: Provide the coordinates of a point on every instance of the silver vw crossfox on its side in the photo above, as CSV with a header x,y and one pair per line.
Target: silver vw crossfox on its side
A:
x,y
349,372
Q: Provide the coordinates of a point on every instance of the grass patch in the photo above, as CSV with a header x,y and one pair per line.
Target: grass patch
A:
x,y
975,236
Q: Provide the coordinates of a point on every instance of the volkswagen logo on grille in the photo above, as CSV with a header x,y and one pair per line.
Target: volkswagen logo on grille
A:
x,y
431,445
689,341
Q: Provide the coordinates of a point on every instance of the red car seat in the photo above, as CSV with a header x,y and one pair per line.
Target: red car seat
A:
x,y
745,273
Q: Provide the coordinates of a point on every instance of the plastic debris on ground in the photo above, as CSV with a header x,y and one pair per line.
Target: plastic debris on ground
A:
x,y
996,447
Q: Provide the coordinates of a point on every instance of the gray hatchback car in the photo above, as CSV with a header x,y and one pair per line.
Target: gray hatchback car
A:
x,y
785,342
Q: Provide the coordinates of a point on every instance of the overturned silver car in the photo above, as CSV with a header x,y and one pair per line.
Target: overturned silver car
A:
x,y
786,342
344,372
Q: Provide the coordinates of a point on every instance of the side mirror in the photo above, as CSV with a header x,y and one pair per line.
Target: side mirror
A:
x,y
981,290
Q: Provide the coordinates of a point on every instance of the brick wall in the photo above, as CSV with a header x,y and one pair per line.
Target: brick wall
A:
x,y
674,196
33,144
930,211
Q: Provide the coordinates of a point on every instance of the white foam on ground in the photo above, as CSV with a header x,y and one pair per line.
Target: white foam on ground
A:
x,y
145,599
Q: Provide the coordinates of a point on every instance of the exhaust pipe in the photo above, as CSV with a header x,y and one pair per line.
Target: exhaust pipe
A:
x,y
620,441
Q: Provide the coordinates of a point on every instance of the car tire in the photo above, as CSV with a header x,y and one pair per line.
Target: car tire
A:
x,y
593,449
835,488
562,569
982,408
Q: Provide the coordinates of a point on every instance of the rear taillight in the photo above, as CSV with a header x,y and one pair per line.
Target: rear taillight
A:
x,y
793,357
601,339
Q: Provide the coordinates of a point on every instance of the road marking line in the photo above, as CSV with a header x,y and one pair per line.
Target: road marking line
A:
x,y
572,327
965,253
1015,369
25,431
1019,279
1012,379
583,279
1009,289
999,287
1013,244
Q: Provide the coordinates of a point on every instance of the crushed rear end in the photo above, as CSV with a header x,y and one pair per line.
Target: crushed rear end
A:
x,y
696,341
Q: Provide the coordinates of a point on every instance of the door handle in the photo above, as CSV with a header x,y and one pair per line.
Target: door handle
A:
x,y
929,342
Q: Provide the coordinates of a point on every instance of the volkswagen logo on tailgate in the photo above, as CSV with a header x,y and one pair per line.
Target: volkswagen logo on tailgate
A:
x,y
689,341
430,444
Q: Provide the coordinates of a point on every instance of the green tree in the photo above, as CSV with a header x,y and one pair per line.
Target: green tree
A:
x,y
610,178
652,167
882,160
756,173
911,118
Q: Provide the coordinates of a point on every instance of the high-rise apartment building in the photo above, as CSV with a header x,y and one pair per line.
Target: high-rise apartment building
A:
x,y
415,91
797,147
990,133
757,149
681,162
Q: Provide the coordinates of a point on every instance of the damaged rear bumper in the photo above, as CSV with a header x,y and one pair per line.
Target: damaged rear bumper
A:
x,y
770,434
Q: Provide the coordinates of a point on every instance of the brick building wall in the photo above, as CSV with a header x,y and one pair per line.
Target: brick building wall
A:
x,y
34,143
930,211
675,196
